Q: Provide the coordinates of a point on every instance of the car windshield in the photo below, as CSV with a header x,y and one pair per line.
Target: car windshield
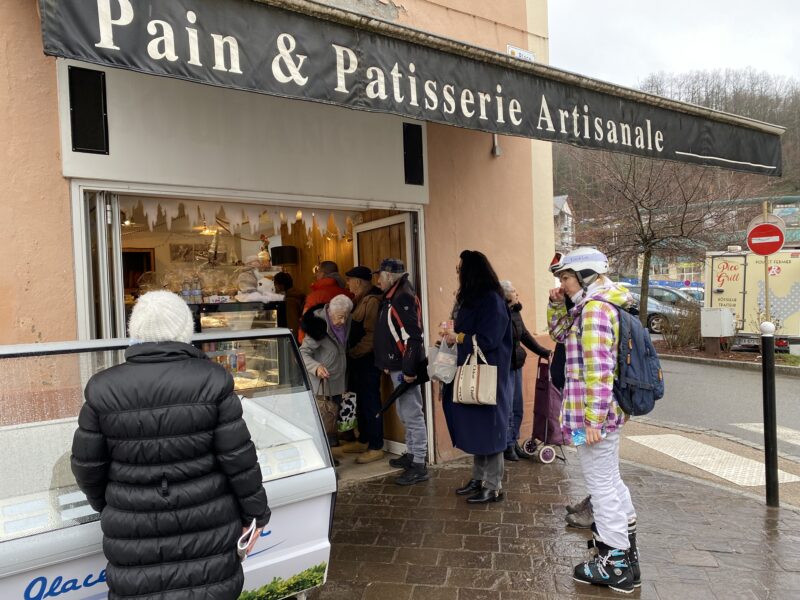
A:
x,y
684,295
695,293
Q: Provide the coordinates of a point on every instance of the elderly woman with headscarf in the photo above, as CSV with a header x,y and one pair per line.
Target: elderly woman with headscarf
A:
x,y
324,352
163,454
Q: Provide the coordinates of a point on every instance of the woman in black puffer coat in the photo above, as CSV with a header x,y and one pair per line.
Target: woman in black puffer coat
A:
x,y
162,452
521,337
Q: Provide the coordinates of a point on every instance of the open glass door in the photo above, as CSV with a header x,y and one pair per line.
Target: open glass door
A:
x,y
105,288
392,237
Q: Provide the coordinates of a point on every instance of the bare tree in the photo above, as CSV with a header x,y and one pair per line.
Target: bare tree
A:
x,y
634,207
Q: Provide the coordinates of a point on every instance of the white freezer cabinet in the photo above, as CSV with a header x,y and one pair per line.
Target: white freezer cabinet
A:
x,y
50,539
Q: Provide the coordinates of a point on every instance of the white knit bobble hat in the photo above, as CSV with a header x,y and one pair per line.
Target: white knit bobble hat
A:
x,y
161,317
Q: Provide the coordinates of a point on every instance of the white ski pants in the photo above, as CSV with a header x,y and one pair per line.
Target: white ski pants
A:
x,y
611,500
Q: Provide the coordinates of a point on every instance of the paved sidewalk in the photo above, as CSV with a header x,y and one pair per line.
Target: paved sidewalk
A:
x,y
425,543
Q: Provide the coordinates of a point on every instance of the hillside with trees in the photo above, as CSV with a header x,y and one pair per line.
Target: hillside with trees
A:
x,y
637,208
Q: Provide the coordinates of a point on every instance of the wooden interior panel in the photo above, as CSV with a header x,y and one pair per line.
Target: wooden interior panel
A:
x,y
386,242
373,246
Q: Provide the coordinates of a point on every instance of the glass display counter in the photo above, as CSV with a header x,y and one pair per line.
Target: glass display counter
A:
x,y
47,528
238,316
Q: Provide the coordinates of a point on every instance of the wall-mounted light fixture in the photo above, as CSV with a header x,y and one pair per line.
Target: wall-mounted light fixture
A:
x,y
496,149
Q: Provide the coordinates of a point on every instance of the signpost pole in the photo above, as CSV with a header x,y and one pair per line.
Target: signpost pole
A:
x,y
766,271
766,235
770,418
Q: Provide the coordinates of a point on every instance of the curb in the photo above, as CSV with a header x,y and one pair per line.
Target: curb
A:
x,y
731,364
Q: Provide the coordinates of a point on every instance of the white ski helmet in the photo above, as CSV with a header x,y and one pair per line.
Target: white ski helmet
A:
x,y
587,263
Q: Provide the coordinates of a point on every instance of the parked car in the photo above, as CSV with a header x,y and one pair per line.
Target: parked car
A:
x,y
665,306
697,293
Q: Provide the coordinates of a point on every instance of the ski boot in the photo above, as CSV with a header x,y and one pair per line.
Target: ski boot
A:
x,y
633,552
611,568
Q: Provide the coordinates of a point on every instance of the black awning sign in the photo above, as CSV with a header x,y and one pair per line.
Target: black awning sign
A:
x,y
252,46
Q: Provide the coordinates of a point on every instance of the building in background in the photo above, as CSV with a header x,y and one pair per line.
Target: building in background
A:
x,y
563,224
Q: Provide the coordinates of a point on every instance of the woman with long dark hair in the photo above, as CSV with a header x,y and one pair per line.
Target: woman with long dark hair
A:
x,y
481,311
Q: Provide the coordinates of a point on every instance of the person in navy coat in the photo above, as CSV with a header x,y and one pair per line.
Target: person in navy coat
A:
x,y
481,311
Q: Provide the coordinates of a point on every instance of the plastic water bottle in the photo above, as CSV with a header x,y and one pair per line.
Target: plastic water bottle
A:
x,y
197,290
186,292
579,436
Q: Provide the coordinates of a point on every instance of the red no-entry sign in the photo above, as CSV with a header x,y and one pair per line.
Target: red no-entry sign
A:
x,y
765,238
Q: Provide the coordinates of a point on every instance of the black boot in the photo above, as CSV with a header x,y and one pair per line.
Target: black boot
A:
x,y
416,473
486,495
402,462
520,452
634,555
510,454
611,567
472,486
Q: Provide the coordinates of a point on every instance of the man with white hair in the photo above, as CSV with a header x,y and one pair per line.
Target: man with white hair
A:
x,y
399,351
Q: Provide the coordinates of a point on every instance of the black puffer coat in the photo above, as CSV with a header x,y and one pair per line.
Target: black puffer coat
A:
x,y
522,337
163,453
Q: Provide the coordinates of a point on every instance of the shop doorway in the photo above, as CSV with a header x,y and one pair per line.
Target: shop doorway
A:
x,y
127,239
390,237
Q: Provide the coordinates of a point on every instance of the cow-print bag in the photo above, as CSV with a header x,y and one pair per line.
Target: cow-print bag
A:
x,y
346,421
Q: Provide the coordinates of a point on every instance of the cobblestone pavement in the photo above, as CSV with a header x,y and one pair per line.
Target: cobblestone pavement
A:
x,y
423,542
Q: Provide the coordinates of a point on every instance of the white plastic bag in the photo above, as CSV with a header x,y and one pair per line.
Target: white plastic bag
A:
x,y
442,362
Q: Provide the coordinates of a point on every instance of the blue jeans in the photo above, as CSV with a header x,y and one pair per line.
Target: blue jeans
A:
x,y
365,381
517,411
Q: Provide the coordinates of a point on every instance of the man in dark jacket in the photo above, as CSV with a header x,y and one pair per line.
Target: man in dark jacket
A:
x,y
398,351
163,454
365,377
